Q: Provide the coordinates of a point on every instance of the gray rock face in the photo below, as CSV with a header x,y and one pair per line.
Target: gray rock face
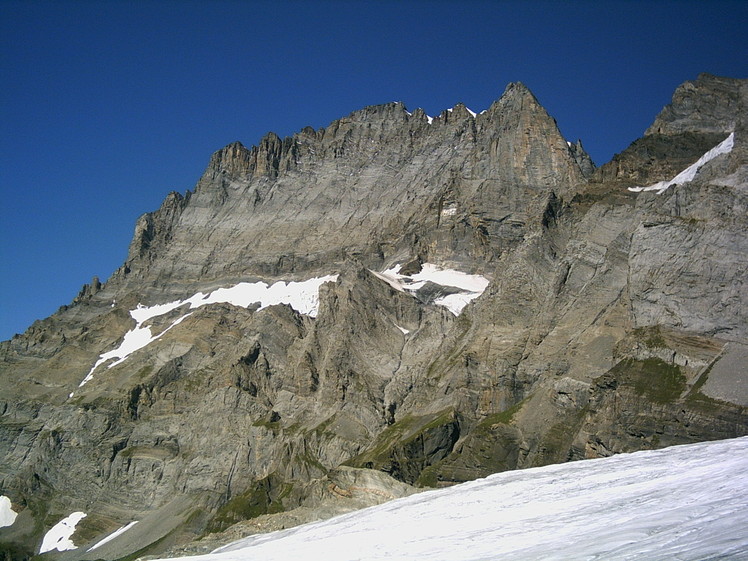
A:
x,y
374,185
702,113
709,104
611,323
583,159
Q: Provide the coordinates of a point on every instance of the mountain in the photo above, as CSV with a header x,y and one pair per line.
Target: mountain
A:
x,y
394,301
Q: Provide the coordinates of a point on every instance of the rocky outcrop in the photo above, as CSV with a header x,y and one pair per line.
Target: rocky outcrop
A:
x,y
613,321
709,104
583,159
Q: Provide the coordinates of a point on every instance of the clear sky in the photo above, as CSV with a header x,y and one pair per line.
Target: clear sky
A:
x,y
105,107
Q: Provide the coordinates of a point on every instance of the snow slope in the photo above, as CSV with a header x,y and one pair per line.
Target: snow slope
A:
x,y
688,174
301,296
113,535
686,503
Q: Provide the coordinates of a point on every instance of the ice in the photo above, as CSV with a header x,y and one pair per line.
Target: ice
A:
x,y
456,302
7,515
686,502
113,535
58,536
301,296
688,174
451,277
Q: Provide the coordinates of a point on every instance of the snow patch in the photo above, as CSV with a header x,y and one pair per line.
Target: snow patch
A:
x,y
113,535
301,296
469,286
456,302
404,331
429,119
684,502
451,211
688,174
472,113
58,536
7,514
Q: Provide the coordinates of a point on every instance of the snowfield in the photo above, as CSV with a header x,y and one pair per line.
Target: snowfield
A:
x,y
113,535
469,286
301,296
685,503
58,537
7,514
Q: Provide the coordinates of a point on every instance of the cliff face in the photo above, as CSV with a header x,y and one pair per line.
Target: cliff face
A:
x,y
380,184
613,320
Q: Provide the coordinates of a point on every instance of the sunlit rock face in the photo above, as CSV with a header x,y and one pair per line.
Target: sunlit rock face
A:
x,y
393,302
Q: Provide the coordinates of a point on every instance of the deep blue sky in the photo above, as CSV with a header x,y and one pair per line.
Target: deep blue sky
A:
x,y
105,107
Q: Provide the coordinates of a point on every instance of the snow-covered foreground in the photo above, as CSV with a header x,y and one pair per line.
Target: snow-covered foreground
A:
x,y
688,174
681,503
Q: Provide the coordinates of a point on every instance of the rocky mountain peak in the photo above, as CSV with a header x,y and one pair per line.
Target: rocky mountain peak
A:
x,y
233,160
395,110
583,159
702,113
709,104
516,97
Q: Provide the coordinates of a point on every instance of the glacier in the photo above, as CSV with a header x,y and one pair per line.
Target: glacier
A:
x,y
686,503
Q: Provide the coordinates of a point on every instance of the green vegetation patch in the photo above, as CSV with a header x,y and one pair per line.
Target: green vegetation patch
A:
x,y
651,336
502,418
491,446
555,445
404,431
652,378
263,497
413,443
